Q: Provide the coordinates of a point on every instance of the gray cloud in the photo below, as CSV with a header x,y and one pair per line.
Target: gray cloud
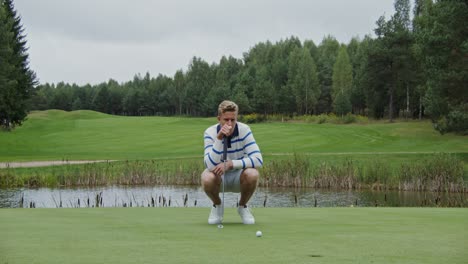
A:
x,y
90,41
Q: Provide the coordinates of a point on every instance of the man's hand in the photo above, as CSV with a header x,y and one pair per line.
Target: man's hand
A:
x,y
219,169
224,131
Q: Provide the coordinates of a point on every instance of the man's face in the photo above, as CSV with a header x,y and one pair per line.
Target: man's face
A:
x,y
229,118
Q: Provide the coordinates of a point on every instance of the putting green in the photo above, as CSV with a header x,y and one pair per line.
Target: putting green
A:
x,y
181,235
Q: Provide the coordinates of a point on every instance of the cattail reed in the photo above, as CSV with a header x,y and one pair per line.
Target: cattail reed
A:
x,y
434,173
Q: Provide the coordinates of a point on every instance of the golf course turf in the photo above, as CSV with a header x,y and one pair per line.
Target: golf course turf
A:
x,y
181,235
88,135
161,142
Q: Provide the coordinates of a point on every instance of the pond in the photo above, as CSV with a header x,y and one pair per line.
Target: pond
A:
x,y
193,196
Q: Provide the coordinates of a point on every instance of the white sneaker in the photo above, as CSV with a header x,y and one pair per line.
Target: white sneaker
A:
x,y
246,215
216,215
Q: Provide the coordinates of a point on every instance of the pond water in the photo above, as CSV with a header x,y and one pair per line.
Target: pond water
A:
x,y
193,196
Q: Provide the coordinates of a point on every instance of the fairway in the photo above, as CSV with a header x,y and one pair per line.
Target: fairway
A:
x,y
88,135
181,235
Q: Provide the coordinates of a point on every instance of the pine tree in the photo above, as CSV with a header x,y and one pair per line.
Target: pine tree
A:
x,y
16,79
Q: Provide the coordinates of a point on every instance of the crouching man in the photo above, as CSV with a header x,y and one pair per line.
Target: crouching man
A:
x,y
243,159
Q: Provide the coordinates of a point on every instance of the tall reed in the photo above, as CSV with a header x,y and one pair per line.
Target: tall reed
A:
x,y
437,173
440,172
146,172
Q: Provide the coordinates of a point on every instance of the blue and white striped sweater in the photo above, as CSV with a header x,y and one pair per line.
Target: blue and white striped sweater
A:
x,y
244,151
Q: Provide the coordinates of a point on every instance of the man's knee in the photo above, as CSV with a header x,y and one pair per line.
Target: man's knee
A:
x,y
249,177
208,179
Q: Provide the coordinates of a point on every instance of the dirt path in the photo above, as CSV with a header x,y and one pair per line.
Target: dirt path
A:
x,y
30,164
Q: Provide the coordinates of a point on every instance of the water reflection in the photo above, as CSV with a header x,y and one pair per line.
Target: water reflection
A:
x,y
179,196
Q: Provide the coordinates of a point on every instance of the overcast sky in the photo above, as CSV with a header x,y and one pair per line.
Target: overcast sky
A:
x,y
92,41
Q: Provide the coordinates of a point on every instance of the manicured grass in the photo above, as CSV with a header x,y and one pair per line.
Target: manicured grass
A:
x,y
88,135
181,235
82,135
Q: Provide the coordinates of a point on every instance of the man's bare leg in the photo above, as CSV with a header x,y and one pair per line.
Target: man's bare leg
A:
x,y
211,185
248,184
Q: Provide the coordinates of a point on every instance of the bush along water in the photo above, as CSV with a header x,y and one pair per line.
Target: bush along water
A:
x,y
436,173
439,173
146,172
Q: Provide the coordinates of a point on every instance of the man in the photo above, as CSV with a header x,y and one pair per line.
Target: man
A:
x,y
243,158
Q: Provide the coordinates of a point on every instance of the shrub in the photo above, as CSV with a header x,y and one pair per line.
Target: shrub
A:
x,y
348,118
252,118
322,118
455,121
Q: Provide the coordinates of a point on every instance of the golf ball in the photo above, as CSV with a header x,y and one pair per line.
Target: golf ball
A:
x,y
220,226
259,233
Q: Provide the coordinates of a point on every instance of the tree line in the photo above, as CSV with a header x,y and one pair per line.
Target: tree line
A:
x,y
414,67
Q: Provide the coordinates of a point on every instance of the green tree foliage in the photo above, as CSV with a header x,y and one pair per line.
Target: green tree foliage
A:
x,y
409,69
6,68
258,63
303,80
179,92
390,63
62,98
101,102
310,45
442,37
16,79
199,83
342,83
42,97
263,93
243,90
420,17
225,80
375,76
360,77
342,104
284,100
116,94
327,52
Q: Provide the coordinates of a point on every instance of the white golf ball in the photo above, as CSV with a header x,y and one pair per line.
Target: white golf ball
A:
x,y
259,233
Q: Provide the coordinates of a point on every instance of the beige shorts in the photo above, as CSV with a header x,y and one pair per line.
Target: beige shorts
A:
x,y
232,179
232,183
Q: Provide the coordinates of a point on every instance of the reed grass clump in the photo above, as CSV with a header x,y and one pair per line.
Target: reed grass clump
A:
x,y
378,175
293,171
335,176
438,173
298,171
146,172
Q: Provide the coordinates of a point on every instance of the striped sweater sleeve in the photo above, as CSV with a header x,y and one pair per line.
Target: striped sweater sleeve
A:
x,y
252,155
213,148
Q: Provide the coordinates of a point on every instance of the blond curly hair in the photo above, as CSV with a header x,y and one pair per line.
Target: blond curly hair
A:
x,y
227,106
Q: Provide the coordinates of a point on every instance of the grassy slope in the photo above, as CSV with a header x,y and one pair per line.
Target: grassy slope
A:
x,y
181,235
53,134
57,135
